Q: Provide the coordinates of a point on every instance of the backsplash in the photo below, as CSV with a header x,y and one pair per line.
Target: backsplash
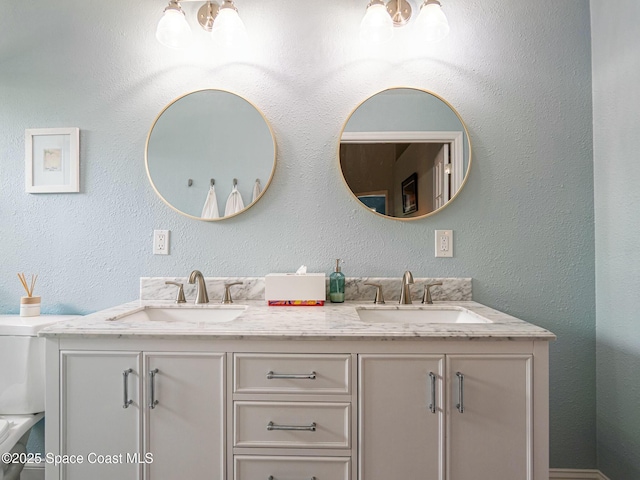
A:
x,y
252,288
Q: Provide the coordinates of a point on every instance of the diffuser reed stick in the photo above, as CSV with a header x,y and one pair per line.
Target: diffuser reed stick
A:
x,y
28,287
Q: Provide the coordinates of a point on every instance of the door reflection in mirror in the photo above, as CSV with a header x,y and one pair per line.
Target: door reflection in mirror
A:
x,y
395,134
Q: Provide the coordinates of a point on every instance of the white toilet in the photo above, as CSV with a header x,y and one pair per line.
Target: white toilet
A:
x,y
21,384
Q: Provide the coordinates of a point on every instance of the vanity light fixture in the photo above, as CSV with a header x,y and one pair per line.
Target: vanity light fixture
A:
x,y
228,28
173,30
379,20
222,21
376,26
432,21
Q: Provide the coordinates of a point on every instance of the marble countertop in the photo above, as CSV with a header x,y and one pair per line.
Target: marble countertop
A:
x,y
259,321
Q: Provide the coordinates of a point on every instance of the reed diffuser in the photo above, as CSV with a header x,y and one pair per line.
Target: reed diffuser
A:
x,y
29,305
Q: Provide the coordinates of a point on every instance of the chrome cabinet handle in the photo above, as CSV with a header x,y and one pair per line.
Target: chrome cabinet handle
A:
x,y
460,404
152,387
125,385
298,428
432,405
271,477
303,376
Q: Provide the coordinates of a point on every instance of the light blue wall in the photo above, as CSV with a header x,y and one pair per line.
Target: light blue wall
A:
x,y
616,123
517,72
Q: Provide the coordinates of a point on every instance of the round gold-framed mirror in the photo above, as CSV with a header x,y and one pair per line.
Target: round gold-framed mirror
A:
x,y
405,153
210,154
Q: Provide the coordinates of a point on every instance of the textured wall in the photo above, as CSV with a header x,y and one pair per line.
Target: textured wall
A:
x,y
517,72
616,122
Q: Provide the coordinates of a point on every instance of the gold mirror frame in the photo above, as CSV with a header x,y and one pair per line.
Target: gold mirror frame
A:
x,y
466,173
266,185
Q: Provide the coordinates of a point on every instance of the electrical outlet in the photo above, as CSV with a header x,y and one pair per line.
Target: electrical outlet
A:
x,y
161,242
444,243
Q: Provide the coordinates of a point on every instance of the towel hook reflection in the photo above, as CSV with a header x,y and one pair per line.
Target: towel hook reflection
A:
x,y
190,182
235,182
213,182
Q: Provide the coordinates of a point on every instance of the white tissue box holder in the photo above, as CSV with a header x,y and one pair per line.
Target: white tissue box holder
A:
x,y
292,289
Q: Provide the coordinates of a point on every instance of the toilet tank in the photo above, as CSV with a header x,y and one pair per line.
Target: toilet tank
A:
x,y
22,363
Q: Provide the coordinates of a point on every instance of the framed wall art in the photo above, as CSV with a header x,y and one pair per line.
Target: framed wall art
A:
x,y
52,160
410,194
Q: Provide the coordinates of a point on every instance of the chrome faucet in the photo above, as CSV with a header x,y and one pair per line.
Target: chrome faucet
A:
x,y
405,293
201,287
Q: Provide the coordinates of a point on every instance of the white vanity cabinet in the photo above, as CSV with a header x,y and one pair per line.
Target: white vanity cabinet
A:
x,y
292,416
92,417
295,408
185,429
490,417
401,416
135,415
452,416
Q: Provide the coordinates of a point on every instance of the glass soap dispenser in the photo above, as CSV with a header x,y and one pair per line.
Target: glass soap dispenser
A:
x,y
336,284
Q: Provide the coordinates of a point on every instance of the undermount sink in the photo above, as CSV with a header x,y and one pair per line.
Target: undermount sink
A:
x,y
213,314
418,315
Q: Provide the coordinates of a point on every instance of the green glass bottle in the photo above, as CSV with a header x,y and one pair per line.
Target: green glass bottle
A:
x,y
336,284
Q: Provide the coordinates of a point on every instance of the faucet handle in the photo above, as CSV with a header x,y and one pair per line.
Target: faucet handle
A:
x,y
426,298
180,297
227,294
379,298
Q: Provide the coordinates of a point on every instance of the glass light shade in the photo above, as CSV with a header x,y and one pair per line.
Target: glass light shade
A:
x,y
173,30
229,30
432,23
376,26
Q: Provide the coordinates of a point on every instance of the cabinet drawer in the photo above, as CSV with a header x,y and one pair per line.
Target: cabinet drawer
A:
x,y
291,373
291,468
291,424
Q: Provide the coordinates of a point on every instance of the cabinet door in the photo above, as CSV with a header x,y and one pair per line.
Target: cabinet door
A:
x,y
489,417
185,431
92,418
401,429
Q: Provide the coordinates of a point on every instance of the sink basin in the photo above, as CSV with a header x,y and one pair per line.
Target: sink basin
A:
x,y
212,314
418,315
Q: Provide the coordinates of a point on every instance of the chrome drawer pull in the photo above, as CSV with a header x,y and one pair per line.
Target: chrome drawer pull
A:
x,y
299,428
432,406
152,388
460,404
303,376
271,477
125,382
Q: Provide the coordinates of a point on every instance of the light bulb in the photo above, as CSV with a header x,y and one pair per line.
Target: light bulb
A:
x,y
229,30
173,30
432,22
376,26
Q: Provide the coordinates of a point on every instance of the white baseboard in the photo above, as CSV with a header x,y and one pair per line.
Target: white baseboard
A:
x,y
32,472
572,474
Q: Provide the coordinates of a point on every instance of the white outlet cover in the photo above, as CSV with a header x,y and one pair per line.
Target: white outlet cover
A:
x,y
161,242
444,243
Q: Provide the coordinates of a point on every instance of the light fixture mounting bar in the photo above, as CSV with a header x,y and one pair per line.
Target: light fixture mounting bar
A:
x,y
207,14
400,12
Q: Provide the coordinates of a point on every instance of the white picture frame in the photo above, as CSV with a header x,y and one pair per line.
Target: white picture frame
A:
x,y
52,160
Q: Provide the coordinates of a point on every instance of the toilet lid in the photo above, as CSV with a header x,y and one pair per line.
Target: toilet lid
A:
x,y
4,430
